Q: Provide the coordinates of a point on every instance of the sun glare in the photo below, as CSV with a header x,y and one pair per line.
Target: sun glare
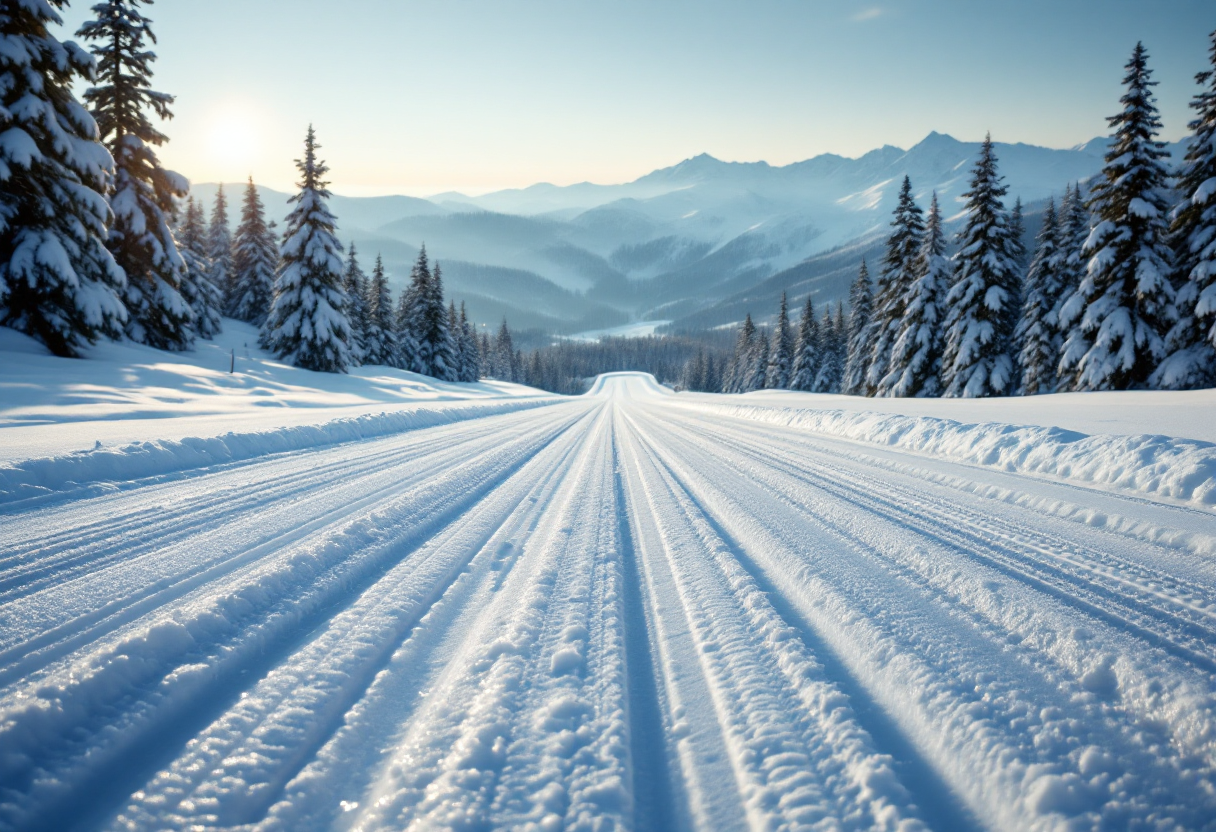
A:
x,y
232,141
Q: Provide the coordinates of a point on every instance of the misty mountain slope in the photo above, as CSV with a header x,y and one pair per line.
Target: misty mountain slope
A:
x,y
690,240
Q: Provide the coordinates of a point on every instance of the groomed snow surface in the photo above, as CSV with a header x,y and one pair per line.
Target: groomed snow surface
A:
x,y
400,605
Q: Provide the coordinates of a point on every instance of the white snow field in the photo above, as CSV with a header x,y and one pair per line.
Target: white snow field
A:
x,y
628,610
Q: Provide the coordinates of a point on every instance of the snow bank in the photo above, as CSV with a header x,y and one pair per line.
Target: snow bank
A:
x,y
103,466
1161,466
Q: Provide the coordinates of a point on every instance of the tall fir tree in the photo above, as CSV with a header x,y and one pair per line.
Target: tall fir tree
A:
x,y
307,323
198,290
914,365
737,373
1017,237
806,350
781,353
58,281
254,262
143,195
437,331
354,282
1118,318
219,248
757,374
894,286
470,355
416,349
857,362
380,340
833,351
503,361
979,357
1191,342
1037,335
1074,222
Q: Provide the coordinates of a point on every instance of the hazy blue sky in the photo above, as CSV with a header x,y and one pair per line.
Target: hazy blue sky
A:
x,y
413,96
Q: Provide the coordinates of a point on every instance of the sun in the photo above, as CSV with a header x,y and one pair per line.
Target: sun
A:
x,y
232,140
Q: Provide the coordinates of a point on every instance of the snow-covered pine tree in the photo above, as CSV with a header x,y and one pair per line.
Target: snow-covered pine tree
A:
x,y
503,354
411,317
307,323
58,281
143,195
806,350
456,369
1017,236
354,282
1073,219
253,261
198,290
1037,337
380,339
833,350
1118,318
1192,340
857,362
914,365
470,355
438,334
781,352
219,249
894,284
758,372
736,377
982,305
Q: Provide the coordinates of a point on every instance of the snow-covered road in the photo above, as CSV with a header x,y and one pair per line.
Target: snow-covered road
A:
x,y
629,610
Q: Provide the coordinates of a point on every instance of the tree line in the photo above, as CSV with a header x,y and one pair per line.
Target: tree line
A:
x,y
98,240
1120,292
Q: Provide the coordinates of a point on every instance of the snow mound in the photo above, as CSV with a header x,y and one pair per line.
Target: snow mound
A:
x,y
102,468
1160,466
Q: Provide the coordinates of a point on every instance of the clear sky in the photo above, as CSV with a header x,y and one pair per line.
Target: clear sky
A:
x,y
421,96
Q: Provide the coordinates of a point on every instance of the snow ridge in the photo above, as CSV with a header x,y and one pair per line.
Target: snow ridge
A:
x,y
1162,466
99,467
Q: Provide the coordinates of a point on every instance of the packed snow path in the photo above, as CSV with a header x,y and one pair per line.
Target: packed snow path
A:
x,y
623,611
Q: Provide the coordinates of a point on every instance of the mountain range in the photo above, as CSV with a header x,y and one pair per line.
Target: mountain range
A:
x,y
698,243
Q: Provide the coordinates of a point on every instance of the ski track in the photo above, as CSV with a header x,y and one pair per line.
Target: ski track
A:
x,y
617,612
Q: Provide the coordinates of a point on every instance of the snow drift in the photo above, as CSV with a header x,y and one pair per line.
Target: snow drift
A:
x,y
102,467
1162,466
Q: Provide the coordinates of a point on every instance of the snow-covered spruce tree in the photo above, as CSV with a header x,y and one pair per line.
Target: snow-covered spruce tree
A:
x,y
503,361
806,350
1118,318
914,365
253,262
219,249
58,281
758,363
380,338
1017,236
1037,337
411,317
198,290
894,284
1073,218
982,305
1192,340
470,355
354,282
781,351
143,195
307,323
737,372
833,351
437,333
857,362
